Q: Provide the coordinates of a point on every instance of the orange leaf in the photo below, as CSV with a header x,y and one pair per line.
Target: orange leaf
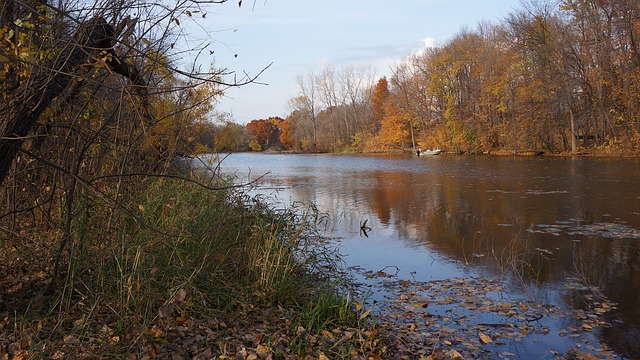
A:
x,y
485,339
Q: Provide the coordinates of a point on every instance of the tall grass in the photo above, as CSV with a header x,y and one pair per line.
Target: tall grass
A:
x,y
182,250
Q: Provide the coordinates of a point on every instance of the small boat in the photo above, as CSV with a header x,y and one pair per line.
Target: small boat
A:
x,y
428,152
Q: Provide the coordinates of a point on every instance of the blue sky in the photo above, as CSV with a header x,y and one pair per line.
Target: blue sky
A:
x,y
298,36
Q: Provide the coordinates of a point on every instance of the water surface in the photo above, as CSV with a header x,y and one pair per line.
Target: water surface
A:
x,y
575,220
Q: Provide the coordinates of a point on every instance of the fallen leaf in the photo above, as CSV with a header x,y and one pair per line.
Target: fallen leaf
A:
x,y
454,354
156,333
421,305
327,334
70,339
114,340
58,355
365,314
181,295
485,339
368,334
166,209
262,351
165,311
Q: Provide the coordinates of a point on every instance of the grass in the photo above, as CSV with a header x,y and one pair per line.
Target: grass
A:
x,y
185,268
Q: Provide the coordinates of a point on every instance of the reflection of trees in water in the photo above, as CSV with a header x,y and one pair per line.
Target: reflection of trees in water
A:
x,y
619,262
499,211
466,221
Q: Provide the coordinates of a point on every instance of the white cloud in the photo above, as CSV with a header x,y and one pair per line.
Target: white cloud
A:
x,y
430,42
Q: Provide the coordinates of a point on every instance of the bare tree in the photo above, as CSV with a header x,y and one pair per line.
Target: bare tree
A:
x,y
354,87
306,101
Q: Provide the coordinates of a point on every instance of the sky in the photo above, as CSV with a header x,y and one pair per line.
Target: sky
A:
x,y
289,38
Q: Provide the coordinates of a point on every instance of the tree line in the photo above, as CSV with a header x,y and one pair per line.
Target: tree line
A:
x,y
553,76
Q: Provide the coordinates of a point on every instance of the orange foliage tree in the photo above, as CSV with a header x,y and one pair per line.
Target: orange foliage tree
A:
x,y
265,132
286,136
394,131
379,100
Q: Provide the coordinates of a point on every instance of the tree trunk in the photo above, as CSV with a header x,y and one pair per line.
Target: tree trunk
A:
x,y
21,114
573,131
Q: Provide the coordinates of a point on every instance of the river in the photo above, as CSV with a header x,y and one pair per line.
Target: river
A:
x,y
575,222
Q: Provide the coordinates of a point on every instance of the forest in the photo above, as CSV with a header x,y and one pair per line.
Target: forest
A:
x,y
553,77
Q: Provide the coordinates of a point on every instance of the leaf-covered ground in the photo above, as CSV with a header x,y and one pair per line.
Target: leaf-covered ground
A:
x,y
446,319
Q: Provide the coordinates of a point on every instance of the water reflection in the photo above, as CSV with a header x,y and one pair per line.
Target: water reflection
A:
x,y
566,218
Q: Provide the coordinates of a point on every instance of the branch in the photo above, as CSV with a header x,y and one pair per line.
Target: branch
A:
x,y
177,177
20,116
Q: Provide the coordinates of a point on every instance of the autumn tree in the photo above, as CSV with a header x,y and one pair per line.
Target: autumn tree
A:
x,y
395,133
379,99
355,86
92,95
265,132
230,137
287,136
306,104
547,78
605,50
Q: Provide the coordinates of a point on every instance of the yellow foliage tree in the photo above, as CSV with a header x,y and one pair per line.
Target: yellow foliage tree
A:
x,y
395,129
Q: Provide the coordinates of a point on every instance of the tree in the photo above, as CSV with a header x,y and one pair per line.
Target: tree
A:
x,y
287,136
53,53
230,137
18,116
394,129
355,89
265,132
306,103
379,100
91,95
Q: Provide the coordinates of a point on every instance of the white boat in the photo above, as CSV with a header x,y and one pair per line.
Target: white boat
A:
x,y
428,152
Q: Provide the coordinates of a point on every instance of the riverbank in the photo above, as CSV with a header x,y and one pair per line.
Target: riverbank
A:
x,y
178,269
582,152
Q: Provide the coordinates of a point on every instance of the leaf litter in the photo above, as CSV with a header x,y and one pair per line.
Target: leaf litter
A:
x,y
476,317
456,318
